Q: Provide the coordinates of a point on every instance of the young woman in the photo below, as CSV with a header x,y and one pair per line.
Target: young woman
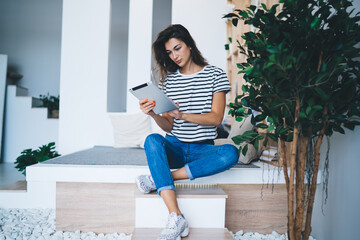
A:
x,y
199,89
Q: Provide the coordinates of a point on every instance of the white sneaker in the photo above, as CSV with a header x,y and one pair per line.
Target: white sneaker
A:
x,y
145,183
176,228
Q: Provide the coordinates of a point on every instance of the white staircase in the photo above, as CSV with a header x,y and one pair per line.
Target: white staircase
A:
x,y
26,124
203,205
195,234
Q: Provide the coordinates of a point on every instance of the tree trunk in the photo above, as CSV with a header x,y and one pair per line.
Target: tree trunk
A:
x,y
318,143
287,181
284,164
300,187
284,160
291,223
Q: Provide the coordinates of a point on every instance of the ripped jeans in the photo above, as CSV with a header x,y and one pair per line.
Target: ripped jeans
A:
x,y
199,159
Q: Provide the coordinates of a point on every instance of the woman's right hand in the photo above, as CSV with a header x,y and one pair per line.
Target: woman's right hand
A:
x,y
147,106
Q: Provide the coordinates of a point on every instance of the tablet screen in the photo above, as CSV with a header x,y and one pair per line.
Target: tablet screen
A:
x,y
151,92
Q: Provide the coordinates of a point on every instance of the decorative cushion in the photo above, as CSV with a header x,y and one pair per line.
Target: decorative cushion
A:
x,y
239,128
130,129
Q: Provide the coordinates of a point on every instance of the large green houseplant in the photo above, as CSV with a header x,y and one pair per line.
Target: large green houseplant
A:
x,y
302,77
30,157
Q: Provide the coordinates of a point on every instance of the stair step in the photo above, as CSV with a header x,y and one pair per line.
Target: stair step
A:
x,y
188,190
36,102
21,91
19,186
195,234
202,204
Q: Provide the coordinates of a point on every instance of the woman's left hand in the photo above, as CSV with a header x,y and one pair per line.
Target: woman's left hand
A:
x,y
176,113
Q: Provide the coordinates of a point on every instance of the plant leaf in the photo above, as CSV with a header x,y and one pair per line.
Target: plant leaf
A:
x,y
271,127
256,144
239,119
262,125
245,149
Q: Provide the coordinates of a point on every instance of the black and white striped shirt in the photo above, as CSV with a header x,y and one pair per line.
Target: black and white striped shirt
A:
x,y
195,93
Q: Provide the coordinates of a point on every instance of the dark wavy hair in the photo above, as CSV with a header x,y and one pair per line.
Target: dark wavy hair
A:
x,y
164,63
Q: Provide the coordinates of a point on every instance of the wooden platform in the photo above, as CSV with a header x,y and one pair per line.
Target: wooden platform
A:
x,y
256,207
110,207
195,234
19,186
95,207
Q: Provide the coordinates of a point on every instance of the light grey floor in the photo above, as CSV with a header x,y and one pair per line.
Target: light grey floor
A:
x,y
9,174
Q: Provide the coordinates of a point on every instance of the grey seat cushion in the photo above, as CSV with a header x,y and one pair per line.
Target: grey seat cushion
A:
x,y
104,155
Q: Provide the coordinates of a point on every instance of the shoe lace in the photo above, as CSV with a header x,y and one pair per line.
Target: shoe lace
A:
x,y
172,220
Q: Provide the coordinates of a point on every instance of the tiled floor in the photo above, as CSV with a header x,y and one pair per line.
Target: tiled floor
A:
x,y
9,174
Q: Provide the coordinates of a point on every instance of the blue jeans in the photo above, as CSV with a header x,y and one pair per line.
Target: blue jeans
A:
x,y
199,159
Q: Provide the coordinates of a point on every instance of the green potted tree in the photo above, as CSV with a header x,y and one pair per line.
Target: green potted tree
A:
x,y
52,104
302,77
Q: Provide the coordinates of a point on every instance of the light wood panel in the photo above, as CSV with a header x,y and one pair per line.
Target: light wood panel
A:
x,y
19,186
252,209
195,234
233,55
95,207
110,207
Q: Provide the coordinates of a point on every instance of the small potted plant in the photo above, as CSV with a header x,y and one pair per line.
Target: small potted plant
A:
x,y
52,104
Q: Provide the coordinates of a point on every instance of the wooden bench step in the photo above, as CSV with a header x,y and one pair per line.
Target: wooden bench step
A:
x,y
19,186
195,234
188,190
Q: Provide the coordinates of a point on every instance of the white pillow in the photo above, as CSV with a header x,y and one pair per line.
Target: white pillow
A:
x,y
251,153
239,128
130,129
156,129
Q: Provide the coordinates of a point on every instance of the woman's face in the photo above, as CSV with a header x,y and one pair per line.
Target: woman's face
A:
x,y
178,52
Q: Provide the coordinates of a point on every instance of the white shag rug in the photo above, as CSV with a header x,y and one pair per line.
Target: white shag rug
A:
x,y
39,224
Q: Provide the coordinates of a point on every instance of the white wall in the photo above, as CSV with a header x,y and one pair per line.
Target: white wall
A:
x,y
119,32
26,127
342,211
340,218
30,34
139,52
203,19
161,18
84,75
84,121
3,71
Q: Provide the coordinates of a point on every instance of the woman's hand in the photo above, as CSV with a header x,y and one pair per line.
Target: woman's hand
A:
x,y
147,106
213,118
176,113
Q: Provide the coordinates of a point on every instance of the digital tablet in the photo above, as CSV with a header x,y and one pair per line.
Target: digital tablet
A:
x,y
153,93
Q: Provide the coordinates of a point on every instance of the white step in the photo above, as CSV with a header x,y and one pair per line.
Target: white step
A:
x,y
25,126
203,205
21,91
36,102
195,234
